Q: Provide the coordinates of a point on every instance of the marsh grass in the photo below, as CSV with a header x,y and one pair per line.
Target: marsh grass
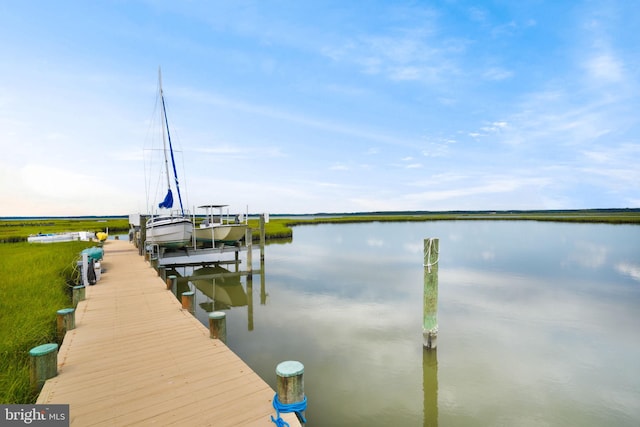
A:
x,y
12,231
33,282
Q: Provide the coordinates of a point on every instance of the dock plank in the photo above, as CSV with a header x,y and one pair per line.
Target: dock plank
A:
x,y
136,358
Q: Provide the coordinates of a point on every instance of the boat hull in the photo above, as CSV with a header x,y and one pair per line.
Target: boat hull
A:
x,y
171,232
224,233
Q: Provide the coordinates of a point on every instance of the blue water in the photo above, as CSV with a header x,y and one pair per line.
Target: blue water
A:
x,y
538,323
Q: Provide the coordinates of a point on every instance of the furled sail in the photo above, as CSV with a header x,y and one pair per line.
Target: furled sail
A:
x,y
168,200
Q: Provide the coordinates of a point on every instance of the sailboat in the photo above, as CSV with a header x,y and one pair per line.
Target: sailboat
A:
x,y
175,229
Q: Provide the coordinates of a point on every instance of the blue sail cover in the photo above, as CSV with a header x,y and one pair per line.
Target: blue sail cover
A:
x,y
168,200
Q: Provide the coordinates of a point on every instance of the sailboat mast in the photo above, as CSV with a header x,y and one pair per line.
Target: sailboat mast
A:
x,y
162,126
173,160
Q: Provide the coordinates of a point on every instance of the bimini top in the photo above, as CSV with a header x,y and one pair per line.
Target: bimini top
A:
x,y
213,206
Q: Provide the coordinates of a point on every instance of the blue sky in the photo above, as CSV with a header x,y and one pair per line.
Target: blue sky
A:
x,y
324,106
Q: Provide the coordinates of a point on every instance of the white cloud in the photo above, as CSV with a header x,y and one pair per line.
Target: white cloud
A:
x,y
629,269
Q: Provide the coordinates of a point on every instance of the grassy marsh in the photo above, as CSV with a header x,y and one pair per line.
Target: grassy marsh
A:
x,y
34,287
17,230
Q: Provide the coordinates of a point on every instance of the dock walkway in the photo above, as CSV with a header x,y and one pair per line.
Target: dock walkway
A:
x,y
136,358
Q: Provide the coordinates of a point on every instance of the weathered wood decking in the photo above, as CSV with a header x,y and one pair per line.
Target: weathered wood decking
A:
x,y
136,358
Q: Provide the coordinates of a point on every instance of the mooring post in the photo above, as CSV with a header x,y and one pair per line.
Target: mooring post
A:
x,y
290,387
187,300
161,272
142,237
43,364
262,235
248,239
218,326
65,321
430,321
171,280
78,294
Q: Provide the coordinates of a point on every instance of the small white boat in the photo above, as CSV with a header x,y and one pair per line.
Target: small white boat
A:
x,y
61,237
169,231
213,231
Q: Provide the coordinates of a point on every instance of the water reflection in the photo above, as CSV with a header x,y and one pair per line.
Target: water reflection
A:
x,y
220,285
537,323
430,387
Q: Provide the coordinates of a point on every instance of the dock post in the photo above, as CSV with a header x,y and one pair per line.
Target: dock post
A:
x,y
262,235
78,294
161,272
171,281
187,300
290,388
43,364
218,326
430,321
65,321
143,237
248,238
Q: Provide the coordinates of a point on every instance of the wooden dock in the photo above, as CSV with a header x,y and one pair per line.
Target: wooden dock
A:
x,y
136,358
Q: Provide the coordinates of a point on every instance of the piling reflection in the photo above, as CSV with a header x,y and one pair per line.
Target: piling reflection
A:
x,y
221,286
218,288
430,386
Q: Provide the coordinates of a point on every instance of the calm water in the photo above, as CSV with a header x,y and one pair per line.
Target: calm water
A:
x,y
539,323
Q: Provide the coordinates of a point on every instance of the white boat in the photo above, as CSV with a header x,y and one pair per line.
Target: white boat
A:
x,y
169,231
61,237
213,231
175,229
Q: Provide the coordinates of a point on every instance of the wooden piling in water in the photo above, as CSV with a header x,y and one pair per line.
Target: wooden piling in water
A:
x,y
248,238
263,220
43,364
65,321
430,319
218,326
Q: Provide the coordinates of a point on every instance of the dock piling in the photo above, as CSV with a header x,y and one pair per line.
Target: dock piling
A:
x,y
218,325
290,389
65,321
187,300
43,364
171,282
430,320
263,220
78,294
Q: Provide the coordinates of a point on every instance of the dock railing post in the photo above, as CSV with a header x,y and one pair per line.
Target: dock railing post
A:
x,y
218,326
43,364
290,389
65,321
430,320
